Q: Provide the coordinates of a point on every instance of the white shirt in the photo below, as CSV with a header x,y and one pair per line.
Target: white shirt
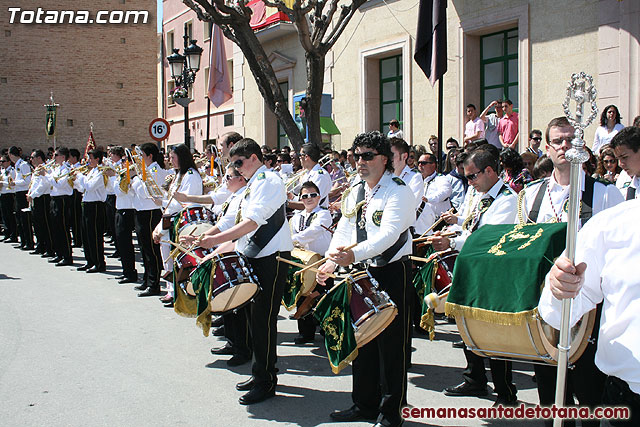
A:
x,y
438,190
501,211
603,137
190,184
414,181
92,185
396,134
8,174
21,182
389,206
124,199
286,170
221,195
60,186
610,246
491,130
266,194
604,196
39,186
315,237
322,179
630,183
143,201
232,205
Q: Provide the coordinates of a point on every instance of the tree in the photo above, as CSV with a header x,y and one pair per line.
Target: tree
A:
x,y
318,27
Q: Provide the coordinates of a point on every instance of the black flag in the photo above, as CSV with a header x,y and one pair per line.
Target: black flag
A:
x,y
431,43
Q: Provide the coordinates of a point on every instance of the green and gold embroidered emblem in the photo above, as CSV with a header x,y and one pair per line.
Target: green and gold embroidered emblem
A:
x,y
377,218
398,181
261,175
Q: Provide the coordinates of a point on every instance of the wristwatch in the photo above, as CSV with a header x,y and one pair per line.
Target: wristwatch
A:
x,y
452,243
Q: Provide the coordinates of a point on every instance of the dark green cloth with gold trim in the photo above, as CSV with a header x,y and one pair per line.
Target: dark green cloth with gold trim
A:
x,y
500,271
292,286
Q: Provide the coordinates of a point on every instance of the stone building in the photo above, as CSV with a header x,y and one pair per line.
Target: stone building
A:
x,y
100,73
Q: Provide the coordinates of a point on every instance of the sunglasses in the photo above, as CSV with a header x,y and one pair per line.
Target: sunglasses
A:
x,y
308,196
230,177
537,138
367,157
473,176
424,162
238,163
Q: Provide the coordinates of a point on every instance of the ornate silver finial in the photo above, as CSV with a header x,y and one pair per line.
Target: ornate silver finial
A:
x,y
581,90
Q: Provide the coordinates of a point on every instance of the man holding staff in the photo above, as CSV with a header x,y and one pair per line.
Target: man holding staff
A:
x,y
375,215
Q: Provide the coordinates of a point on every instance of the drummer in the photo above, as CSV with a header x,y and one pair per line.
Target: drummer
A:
x,y
489,202
262,233
546,200
375,215
310,230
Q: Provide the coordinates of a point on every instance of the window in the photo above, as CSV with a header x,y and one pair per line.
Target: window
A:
x,y
170,42
390,91
207,30
190,29
499,67
69,122
228,119
206,82
230,70
123,40
283,139
121,123
171,85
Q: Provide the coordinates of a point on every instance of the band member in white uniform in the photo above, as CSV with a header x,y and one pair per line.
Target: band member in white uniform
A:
x,y
7,198
400,150
626,145
39,199
61,183
21,185
375,215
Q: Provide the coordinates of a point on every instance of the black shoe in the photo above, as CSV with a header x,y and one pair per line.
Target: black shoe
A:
x,y
64,262
466,389
246,385
142,287
149,292
12,240
35,252
218,332
303,340
128,280
27,248
458,344
238,360
225,350
218,321
114,255
55,260
84,267
47,255
352,414
168,305
97,269
259,392
506,402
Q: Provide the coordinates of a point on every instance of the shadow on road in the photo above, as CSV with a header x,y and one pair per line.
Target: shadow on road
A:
x,y
5,277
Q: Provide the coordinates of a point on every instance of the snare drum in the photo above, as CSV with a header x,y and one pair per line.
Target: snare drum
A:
x,y
234,283
308,277
186,262
443,276
194,220
371,309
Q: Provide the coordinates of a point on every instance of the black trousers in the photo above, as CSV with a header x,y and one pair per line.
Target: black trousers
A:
x,y
110,217
501,373
145,222
264,313
584,381
59,208
236,330
125,220
380,370
7,202
25,231
74,213
41,223
618,393
93,232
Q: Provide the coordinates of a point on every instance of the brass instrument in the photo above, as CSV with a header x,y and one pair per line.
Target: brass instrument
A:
x,y
72,172
294,181
150,183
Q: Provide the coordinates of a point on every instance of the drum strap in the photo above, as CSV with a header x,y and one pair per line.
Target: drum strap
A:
x,y
586,211
631,193
265,233
361,235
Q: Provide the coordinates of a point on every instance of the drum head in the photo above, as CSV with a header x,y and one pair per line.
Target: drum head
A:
x,y
374,323
232,297
580,334
194,228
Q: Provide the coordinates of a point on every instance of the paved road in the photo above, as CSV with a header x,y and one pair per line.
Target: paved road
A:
x,y
78,349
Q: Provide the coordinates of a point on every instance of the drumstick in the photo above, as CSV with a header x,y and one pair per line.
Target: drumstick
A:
x,y
428,238
327,228
431,257
297,264
183,249
323,260
434,225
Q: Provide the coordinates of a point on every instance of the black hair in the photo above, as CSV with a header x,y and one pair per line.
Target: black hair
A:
x,y
512,160
376,141
482,158
286,157
400,145
39,153
230,138
636,122
395,123
311,185
74,152
311,150
603,116
65,152
185,159
471,106
629,136
245,148
97,154
152,149
535,132
14,151
543,167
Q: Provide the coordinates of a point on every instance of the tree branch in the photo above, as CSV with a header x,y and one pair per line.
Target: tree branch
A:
x,y
346,14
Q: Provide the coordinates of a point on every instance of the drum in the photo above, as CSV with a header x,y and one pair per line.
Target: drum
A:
x,y
371,309
533,341
443,277
186,262
194,220
234,283
308,277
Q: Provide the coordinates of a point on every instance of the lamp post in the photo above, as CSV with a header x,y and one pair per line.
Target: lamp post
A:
x,y
183,70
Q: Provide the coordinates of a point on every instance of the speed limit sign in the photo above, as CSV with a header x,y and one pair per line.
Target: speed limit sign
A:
x,y
159,129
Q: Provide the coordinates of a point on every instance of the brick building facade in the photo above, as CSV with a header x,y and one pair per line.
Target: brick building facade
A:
x,y
100,73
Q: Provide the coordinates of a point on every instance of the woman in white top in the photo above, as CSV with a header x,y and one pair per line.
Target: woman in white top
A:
x,y
609,126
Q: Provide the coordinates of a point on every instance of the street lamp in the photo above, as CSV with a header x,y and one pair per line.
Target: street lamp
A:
x,y
183,70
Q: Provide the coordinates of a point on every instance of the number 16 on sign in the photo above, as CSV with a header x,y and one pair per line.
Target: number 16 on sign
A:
x,y
159,129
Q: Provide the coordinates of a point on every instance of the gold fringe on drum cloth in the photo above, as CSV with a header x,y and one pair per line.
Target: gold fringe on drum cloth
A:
x,y
497,317
428,321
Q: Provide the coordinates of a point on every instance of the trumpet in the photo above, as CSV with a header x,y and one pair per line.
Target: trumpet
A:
x,y
150,183
294,181
72,172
